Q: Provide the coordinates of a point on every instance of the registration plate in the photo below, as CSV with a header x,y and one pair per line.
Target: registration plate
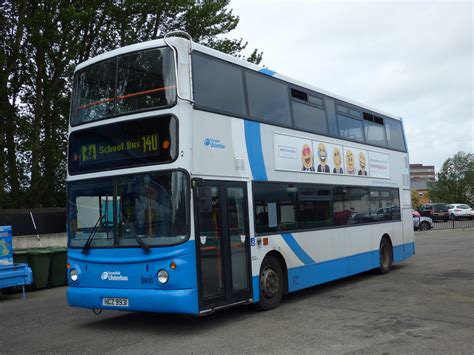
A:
x,y
115,302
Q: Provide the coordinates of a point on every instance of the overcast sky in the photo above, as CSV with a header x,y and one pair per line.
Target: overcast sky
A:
x,y
411,59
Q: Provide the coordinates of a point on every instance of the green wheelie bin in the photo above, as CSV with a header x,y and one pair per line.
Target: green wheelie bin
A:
x,y
57,267
20,256
39,260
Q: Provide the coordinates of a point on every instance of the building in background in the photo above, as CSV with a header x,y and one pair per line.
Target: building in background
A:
x,y
421,177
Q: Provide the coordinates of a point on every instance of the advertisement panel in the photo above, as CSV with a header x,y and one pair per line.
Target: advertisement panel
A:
x,y
379,165
314,156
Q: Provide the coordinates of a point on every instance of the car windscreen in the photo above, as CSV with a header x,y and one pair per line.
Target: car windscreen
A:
x,y
128,83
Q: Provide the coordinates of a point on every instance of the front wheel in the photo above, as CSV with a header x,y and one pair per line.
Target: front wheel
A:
x,y
385,256
271,284
424,226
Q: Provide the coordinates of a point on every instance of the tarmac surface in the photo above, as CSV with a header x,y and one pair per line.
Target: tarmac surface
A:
x,y
425,305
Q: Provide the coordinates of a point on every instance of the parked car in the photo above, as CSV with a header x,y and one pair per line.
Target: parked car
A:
x,y
435,211
421,223
459,210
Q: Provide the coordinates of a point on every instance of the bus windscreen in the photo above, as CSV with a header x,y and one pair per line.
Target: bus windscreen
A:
x,y
132,82
124,144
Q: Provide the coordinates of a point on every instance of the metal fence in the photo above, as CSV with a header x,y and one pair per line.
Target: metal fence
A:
x,y
453,224
34,221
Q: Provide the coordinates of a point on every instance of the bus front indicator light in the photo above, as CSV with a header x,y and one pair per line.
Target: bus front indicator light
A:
x,y
162,276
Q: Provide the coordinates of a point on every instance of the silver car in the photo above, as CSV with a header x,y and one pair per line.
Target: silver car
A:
x,y
421,223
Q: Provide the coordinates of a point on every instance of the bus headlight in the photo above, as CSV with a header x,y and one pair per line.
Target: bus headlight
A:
x,y
162,276
73,275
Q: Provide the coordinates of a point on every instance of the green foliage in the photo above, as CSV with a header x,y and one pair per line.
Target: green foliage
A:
x,y
40,44
455,180
415,199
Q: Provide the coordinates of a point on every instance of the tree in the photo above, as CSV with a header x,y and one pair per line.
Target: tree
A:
x,y
455,182
40,44
415,199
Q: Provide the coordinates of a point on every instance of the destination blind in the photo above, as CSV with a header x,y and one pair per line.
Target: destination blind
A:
x,y
123,144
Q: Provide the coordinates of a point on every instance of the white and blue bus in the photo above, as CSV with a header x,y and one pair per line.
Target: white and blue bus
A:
x,y
199,181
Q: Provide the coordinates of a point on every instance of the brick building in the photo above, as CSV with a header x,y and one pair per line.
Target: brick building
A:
x,y
421,176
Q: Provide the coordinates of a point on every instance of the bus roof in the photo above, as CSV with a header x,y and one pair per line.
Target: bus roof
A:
x,y
228,58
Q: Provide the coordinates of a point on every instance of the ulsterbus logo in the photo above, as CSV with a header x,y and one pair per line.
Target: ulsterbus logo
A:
x,y
213,143
113,276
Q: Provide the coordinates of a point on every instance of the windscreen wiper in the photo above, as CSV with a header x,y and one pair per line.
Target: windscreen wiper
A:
x,y
146,248
87,246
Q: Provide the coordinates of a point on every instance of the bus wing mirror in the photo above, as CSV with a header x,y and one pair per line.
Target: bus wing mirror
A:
x,y
205,199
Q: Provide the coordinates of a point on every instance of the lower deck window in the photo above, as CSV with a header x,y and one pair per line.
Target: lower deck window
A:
x,y
281,207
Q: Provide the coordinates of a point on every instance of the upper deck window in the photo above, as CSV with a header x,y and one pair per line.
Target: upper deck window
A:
x,y
218,85
395,134
129,83
268,99
350,128
308,112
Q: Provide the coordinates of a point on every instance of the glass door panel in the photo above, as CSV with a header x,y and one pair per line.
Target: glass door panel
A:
x,y
238,238
209,239
223,243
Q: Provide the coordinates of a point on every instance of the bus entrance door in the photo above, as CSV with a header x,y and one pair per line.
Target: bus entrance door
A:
x,y
222,238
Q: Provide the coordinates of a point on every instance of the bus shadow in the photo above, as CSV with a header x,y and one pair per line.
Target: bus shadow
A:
x,y
169,323
182,324
336,285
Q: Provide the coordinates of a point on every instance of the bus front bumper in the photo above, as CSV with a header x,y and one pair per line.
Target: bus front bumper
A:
x,y
146,300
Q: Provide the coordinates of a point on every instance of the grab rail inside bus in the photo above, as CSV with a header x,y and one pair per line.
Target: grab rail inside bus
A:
x,y
175,56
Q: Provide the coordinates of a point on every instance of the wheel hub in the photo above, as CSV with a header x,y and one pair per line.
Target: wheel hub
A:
x,y
269,282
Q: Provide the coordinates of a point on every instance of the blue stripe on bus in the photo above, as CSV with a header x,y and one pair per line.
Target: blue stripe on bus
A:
x,y
253,142
297,249
267,71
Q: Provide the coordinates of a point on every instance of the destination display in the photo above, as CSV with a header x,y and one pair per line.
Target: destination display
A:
x,y
124,144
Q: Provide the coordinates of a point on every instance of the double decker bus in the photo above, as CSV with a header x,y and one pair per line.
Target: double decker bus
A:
x,y
199,181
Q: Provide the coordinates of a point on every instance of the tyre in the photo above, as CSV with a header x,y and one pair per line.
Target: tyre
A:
x,y
453,217
271,284
424,226
385,256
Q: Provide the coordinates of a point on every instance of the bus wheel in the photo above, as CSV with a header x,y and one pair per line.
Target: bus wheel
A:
x,y
385,255
271,284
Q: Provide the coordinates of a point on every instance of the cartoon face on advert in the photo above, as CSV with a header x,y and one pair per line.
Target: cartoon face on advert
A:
x,y
350,164
362,164
337,159
307,158
323,158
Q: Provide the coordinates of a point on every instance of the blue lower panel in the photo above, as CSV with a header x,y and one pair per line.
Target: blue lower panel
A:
x,y
146,300
404,251
318,273
256,289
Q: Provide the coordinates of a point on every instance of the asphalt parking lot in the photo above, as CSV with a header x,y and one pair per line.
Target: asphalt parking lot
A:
x,y
425,305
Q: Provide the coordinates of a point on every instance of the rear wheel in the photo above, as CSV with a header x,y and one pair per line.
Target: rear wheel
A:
x,y
424,226
271,284
453,217
385,255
